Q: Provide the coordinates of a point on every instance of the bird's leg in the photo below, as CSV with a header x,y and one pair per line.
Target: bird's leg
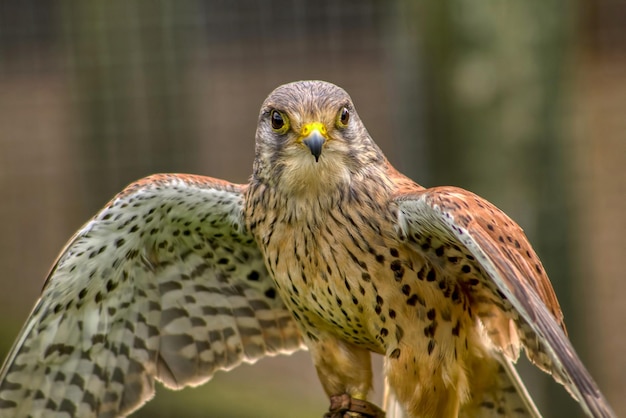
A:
x,y
345,372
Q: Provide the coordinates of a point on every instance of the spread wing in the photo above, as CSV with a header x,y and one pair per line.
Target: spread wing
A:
x,y
508,287
163,283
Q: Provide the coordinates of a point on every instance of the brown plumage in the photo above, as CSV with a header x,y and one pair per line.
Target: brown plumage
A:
x,y
328,245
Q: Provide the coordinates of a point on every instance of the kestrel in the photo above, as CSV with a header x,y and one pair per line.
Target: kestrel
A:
x,y
329,248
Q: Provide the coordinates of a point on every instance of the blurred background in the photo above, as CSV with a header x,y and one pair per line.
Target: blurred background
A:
x,y
522,102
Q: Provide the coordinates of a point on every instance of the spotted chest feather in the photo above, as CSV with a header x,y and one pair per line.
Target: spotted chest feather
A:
x,y
347,274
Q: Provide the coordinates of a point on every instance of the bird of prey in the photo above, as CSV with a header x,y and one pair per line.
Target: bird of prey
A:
x,y
327,247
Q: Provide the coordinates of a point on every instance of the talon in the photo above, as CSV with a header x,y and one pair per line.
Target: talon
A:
x,y
345,406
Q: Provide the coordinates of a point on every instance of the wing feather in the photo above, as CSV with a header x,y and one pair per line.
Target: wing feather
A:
x,y
163,283
513,286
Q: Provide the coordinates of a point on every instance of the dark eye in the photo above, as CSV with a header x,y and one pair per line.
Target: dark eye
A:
x,y
344,116
278,122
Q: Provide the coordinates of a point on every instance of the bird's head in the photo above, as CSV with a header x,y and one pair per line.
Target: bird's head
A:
x,y
309,138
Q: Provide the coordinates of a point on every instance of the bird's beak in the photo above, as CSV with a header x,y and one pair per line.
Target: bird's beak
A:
x,y
314,136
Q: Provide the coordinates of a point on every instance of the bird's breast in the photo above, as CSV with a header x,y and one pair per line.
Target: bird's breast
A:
x,y
324,271
344,271
330,265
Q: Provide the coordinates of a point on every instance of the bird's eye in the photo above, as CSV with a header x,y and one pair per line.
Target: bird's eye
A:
x,y
279,122
343,117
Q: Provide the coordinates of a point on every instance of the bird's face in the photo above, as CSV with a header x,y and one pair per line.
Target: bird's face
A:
x,y
309,138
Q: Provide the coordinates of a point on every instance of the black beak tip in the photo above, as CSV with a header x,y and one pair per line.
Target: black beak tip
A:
x,y
314,143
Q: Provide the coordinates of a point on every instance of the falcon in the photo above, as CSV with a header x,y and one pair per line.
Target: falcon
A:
x,y
328,248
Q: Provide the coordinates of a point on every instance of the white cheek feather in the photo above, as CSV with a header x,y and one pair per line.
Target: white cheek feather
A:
x,y
303,175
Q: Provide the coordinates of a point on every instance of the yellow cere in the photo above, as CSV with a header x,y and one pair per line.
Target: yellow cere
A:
x,y
313,126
